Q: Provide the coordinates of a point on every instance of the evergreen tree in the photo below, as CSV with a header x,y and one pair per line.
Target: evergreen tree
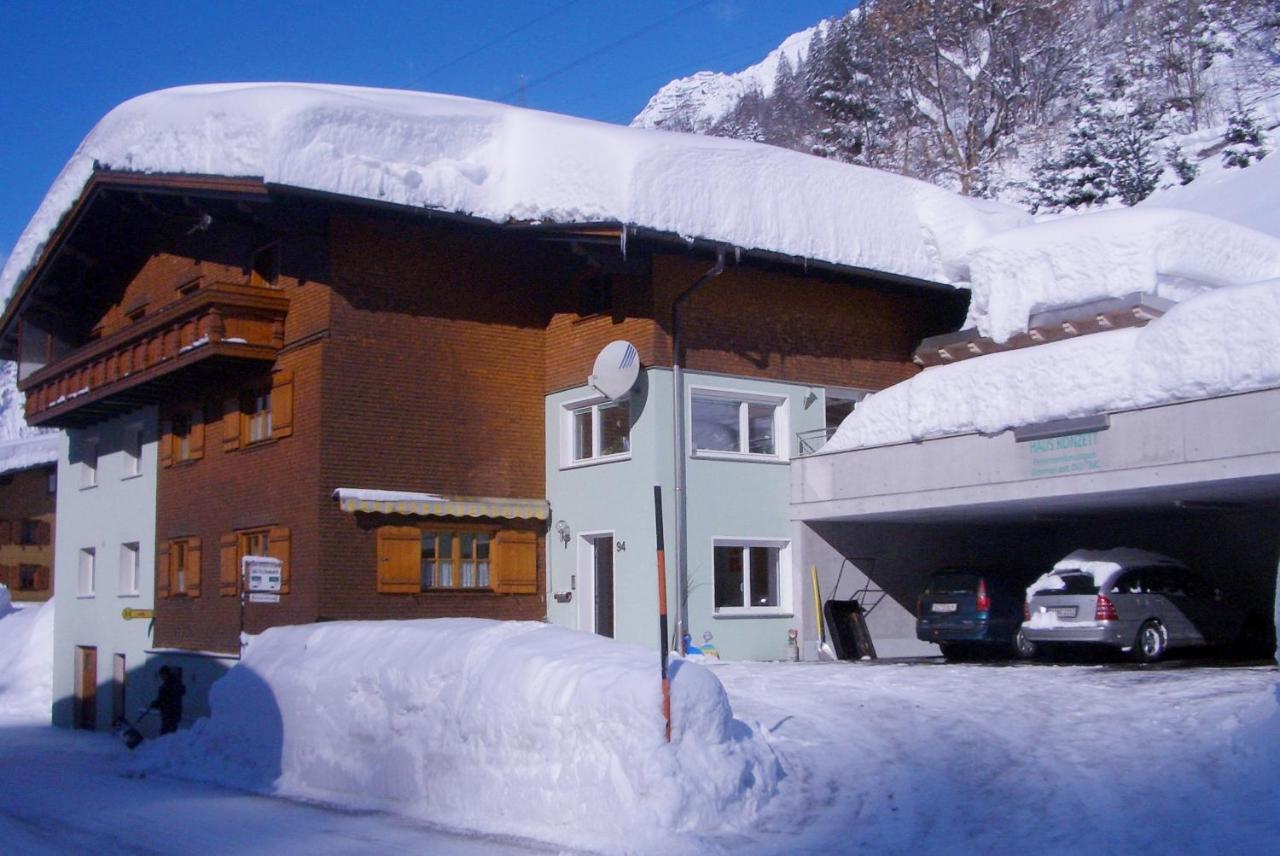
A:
x,y
1182,166
1135,173
1244,139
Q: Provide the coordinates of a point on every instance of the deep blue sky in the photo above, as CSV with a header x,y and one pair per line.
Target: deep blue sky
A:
x,y
64,64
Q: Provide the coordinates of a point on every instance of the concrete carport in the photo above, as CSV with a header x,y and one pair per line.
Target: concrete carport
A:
x,y
1196,480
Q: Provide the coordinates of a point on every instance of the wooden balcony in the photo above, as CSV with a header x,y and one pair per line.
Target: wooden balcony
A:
x,y
217,328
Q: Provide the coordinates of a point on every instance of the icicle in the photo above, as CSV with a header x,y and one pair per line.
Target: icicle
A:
x,y
622,243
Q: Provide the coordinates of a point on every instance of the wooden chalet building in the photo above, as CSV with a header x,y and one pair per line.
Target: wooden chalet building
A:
x,y
254,362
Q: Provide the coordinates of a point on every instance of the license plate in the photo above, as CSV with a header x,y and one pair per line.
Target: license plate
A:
x,y
944,607
1063,611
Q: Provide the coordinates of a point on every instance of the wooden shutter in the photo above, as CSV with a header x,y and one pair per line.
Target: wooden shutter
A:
x,y
282,404
9,576
42,578
399,559
195,436
164,570
514,562
166,443
6,532
193,567
228,564
44,533
278,548
231,424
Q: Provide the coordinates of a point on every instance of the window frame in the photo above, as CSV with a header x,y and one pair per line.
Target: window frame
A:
x,y
29,532
87,573
35,578
255,410
129,585
781,424
131,448
569,411
89,471
456,557
179,576
784,608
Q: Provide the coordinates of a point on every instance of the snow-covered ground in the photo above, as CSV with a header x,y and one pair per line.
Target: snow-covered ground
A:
x,y
883,757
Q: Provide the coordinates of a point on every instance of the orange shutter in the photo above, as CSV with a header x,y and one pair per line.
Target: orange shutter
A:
x,y
164,570
282,404
399,559
193,567
166,443
9,576
6,532
42,578
278,548
231,424
228,564
195,439
44,533
514,562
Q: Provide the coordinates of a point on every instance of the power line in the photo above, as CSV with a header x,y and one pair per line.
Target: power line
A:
x,y
495,40
585,58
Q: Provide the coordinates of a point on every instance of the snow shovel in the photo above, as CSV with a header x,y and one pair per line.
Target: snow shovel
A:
x,y
128,731
824,649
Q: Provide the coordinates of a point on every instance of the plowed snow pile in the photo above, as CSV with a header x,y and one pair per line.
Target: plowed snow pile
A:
x,y
26,659
501,727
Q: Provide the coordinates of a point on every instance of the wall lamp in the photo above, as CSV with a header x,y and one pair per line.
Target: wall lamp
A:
x,y
562,529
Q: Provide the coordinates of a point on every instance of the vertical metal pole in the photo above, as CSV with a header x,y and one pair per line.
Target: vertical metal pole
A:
x,y
662,608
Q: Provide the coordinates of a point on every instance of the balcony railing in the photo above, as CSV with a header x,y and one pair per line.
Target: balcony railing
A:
x,y
138,365
813,440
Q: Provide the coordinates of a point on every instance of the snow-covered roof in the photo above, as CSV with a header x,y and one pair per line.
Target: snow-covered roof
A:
x,y
507,164
1217,342
28,452
1162,251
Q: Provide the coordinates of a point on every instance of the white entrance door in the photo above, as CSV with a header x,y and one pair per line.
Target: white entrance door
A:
x,y
595,583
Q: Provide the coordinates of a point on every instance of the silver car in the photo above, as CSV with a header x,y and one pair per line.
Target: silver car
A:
x,y
1141,603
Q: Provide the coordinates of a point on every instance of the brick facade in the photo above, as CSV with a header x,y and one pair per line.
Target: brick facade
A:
x,y
26,533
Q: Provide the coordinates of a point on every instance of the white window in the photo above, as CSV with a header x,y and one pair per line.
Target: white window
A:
x,y
751,577
726,424
129,568
595,431
84,587
132,451
89,464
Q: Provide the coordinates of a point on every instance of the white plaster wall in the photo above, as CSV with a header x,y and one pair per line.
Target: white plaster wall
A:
x,y
120,509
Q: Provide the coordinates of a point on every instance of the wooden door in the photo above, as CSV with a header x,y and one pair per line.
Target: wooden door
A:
x,y
86,687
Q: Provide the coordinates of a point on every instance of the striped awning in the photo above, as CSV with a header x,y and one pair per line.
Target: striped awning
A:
x,y
436,505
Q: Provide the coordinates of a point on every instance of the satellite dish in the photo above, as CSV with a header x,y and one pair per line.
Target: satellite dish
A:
x,y
616,369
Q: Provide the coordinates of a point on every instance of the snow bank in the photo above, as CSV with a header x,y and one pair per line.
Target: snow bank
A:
x,y
1173,254
1219,342
509,164
26,659
1243,196
501,727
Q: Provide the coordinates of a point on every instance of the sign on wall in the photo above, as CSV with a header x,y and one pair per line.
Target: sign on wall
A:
x,y
1062,456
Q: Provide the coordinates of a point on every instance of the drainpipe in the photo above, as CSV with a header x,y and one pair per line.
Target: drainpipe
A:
x,y
681,509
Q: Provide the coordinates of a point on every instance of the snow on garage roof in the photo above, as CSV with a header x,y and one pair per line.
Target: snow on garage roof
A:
x,y
508,164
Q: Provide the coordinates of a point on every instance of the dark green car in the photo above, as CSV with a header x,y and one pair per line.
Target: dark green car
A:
x,y
968,612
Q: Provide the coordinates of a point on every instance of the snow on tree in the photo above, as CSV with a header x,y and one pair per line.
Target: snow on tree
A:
x,y
1182,167
1244,139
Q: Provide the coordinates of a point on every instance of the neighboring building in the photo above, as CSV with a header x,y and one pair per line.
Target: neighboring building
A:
x,y
388,404
28,487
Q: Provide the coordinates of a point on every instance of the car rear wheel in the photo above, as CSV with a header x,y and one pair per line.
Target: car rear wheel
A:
x,y
1023,648
1151,642
953,651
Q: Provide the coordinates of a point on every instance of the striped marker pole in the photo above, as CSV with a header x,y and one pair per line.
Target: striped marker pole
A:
x,y
662,609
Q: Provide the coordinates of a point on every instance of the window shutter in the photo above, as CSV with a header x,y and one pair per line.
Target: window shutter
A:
x,y
6,532
195,440
514,567
228,564
399,559
193,567
282,404
42,578
231,424
9,576
164,570
44,533
278,548
166,443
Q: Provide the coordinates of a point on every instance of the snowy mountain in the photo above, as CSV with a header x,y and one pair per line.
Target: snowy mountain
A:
x,y
1052,104
696,103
